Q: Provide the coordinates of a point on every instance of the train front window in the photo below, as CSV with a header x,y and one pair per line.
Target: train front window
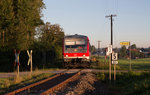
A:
x,y
75,47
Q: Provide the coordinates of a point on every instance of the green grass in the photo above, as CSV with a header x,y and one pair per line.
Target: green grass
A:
x,y
10,84
136,64
123,64
131,83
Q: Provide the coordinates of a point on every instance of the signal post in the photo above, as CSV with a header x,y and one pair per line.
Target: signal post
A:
x,y
17,61
114,61
128,44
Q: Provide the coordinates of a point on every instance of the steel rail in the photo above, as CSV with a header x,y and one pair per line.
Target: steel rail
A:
x,y
35,84
60,85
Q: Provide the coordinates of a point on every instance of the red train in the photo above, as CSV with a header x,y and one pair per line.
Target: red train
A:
x,y
76,51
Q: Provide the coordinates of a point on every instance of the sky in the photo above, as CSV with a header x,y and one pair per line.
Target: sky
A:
x,y
88,17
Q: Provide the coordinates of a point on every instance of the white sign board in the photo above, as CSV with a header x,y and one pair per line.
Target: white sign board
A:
x,y
114,62
114,56
107,53
109,50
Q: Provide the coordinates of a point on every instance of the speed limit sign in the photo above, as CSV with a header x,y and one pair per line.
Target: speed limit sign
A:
x,y
114,56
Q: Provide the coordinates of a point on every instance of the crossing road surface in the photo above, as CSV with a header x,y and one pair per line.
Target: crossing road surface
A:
x,y
13,74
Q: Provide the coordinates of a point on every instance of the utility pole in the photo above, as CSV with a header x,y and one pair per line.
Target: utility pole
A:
x,y
98,48
110,60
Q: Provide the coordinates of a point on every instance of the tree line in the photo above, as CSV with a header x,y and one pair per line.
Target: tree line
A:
x,y
124,51
18,21
135,52
21,28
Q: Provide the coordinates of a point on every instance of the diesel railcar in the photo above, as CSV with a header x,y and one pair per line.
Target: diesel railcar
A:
x,y
76,51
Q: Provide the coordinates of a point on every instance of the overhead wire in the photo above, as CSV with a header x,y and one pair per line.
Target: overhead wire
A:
x,y
115,25
111,7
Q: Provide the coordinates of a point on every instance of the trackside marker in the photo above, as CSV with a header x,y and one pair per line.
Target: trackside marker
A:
x,y
17,61
30,59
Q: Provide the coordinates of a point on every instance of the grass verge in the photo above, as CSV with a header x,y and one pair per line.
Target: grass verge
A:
x,y
123,64
12,83
131,83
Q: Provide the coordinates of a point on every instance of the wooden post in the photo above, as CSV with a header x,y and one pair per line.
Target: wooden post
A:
x,y
17,61
130,54
110,67
114,60
17,71
31,60
129,48
114,71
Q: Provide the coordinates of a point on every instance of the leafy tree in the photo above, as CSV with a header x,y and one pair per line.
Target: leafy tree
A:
x,y
123,52
135,52
116,50
133,46
6,18
18,21
92,49
149,49
50,37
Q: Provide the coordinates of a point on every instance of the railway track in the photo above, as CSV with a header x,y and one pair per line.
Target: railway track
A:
x,y
48,85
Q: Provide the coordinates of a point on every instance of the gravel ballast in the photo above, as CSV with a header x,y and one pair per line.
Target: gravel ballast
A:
x,y
86,84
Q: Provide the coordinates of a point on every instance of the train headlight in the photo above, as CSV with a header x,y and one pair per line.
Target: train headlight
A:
x,y
83,55
75,50
66,55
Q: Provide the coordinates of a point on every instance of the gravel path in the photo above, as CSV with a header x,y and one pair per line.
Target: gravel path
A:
x,y
87,84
